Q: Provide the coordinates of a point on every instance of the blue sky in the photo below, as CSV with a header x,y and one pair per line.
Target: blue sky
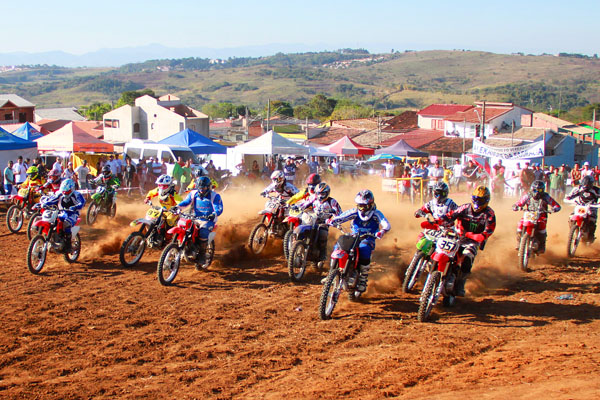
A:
x,y
529,26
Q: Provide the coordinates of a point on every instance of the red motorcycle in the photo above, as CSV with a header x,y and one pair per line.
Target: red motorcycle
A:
x,y
23,207
293,220
579,227
272,224
184,245
529,245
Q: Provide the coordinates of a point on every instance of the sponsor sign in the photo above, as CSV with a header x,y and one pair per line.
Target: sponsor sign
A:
x,y
531,150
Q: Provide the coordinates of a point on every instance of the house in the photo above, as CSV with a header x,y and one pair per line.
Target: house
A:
x,y
65,114
499,117
15,109
433,116
152,119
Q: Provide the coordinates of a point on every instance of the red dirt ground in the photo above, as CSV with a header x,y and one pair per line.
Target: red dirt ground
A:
x,y
241,330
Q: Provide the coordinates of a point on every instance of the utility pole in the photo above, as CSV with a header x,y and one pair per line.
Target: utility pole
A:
x,y
307,129
464,135
594,128
268,114
378,129
483,124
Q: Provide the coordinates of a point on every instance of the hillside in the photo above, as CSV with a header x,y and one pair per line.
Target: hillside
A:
x,y
388,81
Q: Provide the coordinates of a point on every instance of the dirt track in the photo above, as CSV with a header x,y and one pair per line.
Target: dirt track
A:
x,y
97,330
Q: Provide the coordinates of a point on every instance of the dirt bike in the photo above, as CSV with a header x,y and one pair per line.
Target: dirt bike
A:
x,y
293,220
343,273
52,238
579,227
272,224
421,258
444,270
184,245
23,208
305,247
102,204
152,234
529,245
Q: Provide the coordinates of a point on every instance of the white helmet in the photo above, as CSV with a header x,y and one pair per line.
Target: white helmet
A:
x,y
165,186
278,177
365,204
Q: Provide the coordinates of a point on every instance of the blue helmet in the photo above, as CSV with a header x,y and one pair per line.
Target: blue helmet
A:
x,y
203,184
67,187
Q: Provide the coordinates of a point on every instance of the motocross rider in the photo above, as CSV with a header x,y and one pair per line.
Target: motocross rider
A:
x,y
323,206
587,194
107,179
71,202
53,182
311,182
278,184
33,181
366,218
167,196
476,221
206,205
440,205
536,199
199,173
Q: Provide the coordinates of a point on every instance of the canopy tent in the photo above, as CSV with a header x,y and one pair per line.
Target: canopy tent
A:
x,y
194,141
347,146
71,138
271,143
27,132
401,148
316,152
2,130
12,147
378,157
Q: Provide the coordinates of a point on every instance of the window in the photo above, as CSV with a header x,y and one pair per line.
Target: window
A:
x,y
193,127
167,157
136,127
180,126
239,138
134,152
152,126
150,153
22,117
115,123
7,117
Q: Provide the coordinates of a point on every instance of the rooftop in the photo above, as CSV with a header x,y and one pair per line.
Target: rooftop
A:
x,y
442,110
64,113
15,99
474,115
447,144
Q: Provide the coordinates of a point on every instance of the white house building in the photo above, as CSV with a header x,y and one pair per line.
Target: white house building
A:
x,y
499,117
152,119
434,115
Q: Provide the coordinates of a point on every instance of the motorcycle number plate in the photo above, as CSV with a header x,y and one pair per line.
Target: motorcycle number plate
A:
x,y
47,214
529,216
581,210
153,213
446,246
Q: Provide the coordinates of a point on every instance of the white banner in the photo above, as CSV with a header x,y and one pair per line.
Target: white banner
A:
x,y
532,150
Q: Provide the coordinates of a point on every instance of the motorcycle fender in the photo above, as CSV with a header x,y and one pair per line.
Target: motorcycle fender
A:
x,y
96,197
211,236
442,260
268,218
301,231
577,220
43,225
141,221
18,199
424,245
342,258
529,229
75,230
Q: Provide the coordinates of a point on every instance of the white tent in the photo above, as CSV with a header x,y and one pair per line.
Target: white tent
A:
x,y
320,152
271,143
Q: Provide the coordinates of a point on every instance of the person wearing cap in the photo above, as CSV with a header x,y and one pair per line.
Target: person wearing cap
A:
x,y
587,171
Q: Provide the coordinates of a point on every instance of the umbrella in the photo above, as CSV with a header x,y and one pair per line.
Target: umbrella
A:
x,y
384,157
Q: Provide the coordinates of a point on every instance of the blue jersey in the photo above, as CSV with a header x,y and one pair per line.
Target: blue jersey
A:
x,y
376,222
203,206
71,204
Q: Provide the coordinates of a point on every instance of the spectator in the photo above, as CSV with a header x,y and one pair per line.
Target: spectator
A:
x,y
177,170
255,169
498,179
526,178
335,167
57,165
9,178
313,166
163,168
457,175
19,171
587,171
82,173
210,167
27,163
516,178
41,167
186,176
68,173
575,175
554,183
156,168
114,165
389,168
538,173
405,187
289,171
142,172
562,188
128,174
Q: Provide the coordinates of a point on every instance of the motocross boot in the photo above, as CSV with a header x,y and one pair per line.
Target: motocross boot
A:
x,y
518,240
363,278
67,241
542,248
459,288
201,257
592,234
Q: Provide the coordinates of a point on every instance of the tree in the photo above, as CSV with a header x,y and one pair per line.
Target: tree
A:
x,y
351,112
321,106
129,97
281,108
223,110
95,111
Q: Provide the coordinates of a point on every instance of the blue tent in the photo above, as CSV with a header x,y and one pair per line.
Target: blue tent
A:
x,y
27,132
12,147
196,142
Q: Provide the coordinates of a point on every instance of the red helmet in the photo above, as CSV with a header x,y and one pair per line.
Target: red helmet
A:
x,y
312,181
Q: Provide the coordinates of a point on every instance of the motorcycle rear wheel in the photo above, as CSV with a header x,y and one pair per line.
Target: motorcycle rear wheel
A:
x,y
132,249
169,262
413,272
573,240
297,261
14,218
331,292
524,252
73,255
36,254
92,213
33,230
428,294
258,238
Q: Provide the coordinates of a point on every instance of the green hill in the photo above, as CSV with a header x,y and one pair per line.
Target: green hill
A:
x,y
386,81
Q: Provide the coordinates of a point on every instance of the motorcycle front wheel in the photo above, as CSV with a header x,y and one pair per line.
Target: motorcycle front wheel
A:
x,y
573,241
428,296
331,292
258,238
31,229
168,265
73,255
36,254
297,261
524,252
413,272
132,249
92,213
288,241
14,218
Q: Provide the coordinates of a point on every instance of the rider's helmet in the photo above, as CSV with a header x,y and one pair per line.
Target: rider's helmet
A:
x,y
440,192
587,182
106,173
537,189
312,181
480,198
54,176
67,187
33,173
166,186
203,184
365,204
278,178
322,191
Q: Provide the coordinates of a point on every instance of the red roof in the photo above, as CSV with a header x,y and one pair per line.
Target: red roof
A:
x,y
416,137
52,124
332,134
348,146
442,110
474,115
406,120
